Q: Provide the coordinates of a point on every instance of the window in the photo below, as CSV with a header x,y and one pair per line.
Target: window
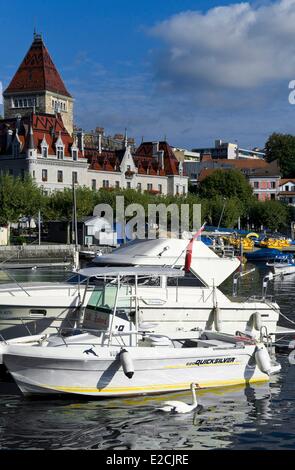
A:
x,y
60,176
177,189
149,186
287,188
44,175
75,177
128,185
139,186
75,154
117,184
256,184
273,185
189,280
93,185
58,105
44,151
272,196
27,102
183,189
38,313
160,188
105,184
60,152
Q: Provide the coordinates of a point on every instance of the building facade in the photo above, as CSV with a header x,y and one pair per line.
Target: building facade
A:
x,y
262,176
287,191
229,151
37,137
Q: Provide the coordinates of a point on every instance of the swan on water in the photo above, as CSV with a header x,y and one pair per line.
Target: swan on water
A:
x,y
180,406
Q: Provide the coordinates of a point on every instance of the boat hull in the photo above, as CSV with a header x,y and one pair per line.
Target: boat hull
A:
x,y
99,372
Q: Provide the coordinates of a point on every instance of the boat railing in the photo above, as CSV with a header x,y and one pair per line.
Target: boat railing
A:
x,y
226,251
259,298
107,334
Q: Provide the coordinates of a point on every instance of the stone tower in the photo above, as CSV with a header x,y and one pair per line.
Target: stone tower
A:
x,y
38,87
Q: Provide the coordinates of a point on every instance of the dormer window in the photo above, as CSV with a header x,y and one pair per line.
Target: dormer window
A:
x,y
60,153
60,148
75,154
44,148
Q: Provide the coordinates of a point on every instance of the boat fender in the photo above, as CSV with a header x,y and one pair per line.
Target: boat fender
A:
x,y
262,359
217,318
257,321
127,363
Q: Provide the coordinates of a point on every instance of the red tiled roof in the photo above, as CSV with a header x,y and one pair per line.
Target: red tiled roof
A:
x,y
247,163
48,125
145,153
286,180
37,72
208,172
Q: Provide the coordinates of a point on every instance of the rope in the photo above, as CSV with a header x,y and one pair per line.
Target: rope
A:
x,y
286,318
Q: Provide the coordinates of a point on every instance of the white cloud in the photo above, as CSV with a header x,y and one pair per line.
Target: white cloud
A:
x,y
237,46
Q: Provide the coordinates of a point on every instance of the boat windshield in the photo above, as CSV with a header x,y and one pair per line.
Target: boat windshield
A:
x,y
103,297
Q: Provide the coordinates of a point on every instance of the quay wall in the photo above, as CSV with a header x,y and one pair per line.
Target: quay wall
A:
x,y
40,252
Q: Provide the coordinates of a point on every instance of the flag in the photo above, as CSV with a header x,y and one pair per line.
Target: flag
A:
x,y
189,250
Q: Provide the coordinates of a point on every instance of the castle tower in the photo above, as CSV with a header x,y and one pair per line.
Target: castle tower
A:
x,y
37,86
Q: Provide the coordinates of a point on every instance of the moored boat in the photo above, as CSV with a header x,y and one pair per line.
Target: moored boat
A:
x,y
124,357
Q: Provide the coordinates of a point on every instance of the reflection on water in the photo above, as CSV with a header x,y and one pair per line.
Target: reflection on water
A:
x,y
252,417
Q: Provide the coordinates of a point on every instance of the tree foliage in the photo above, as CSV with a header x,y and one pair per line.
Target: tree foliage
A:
x,y
281,147
227,184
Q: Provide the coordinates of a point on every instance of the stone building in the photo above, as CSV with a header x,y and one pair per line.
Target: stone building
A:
x,y
37,137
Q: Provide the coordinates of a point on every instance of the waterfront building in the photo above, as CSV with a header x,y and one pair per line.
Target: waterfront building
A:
x,y
230,151
37,137
287,191
185,155
264,177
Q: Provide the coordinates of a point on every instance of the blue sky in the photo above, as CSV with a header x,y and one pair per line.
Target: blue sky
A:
x,y
190,70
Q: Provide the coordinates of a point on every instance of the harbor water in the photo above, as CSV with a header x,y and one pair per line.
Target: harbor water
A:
x,y
253,417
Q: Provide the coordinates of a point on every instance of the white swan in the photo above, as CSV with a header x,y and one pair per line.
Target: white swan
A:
x,y
180,406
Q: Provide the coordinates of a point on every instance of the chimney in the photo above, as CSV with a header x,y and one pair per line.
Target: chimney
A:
x,y
99,143
80,136
155,149
99,130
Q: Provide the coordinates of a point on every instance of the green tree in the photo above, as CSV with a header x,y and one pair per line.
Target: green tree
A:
x,y
281,148
227,184
273,215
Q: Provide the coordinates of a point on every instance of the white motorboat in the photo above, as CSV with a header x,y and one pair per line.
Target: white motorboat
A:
x,y
193,301
283,265
37,307
123,358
